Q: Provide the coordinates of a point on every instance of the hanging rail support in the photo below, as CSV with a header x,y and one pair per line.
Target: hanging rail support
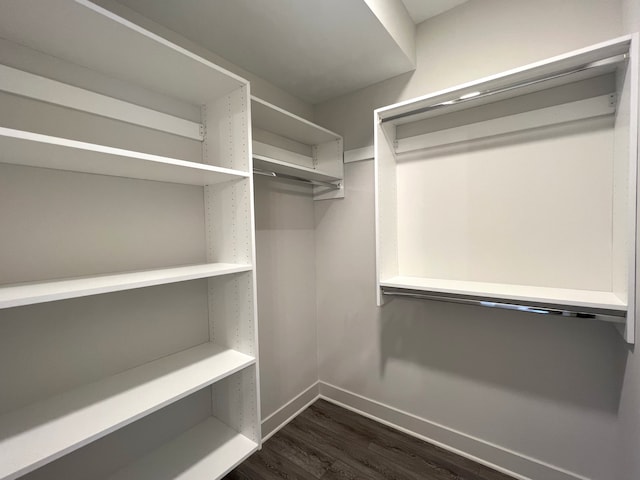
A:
x,y
613,317
293,178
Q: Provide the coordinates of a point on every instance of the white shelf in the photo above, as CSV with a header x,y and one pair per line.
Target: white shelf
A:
x,y
39,292
209,450
42,432
36,150
413,110
527,176
513,293
89,35
267,116
275,130
278,166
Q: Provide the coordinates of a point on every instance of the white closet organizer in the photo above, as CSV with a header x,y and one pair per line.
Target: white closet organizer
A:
x,y
287,146
127,287
516,190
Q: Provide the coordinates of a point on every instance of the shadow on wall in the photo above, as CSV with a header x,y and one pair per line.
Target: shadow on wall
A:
x,y
575,361
275,208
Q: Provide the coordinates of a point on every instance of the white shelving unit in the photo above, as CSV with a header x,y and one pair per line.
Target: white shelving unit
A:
x,y
288,145
128,185
516,189
35,150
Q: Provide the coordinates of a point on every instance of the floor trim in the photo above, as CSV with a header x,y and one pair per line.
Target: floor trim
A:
x,y
290,410
476,449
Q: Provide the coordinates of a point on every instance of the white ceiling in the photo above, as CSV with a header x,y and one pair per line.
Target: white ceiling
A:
x,y
420,10
313,49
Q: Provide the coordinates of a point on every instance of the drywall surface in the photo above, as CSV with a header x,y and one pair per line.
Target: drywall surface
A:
x,y
629,420
541,395
631,16
397,21
285,250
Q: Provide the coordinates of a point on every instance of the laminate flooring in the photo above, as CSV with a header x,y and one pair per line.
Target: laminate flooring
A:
x,y
328,442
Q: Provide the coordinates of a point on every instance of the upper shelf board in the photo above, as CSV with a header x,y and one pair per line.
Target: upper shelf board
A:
x,y
606,301
86,34
266,116
36,150
39,292
527,76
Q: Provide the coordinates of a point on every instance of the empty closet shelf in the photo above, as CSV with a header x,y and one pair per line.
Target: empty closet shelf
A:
x,y
209,450
35,150
269,117
39,433
48,291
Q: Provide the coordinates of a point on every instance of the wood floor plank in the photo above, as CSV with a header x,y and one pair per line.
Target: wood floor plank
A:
x,y
353,455
328,442
399,465
394,439
270,465
341,471
309,460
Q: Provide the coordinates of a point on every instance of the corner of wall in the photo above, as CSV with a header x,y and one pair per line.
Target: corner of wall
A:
x,y
394,17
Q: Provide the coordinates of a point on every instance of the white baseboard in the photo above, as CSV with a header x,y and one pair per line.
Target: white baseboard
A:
x,y
290,410
494,456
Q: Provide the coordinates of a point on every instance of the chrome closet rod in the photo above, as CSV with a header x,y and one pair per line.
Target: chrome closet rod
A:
x,y
268,173
506,306
487,93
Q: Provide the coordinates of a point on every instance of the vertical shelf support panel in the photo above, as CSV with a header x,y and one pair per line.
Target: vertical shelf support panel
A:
x,y
230,235
386,212
233,403
627,153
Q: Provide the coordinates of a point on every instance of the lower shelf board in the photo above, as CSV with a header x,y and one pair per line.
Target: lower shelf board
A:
x,y
40,433
208,451
591,299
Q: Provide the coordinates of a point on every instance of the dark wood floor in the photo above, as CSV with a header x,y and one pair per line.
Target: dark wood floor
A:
x,y
328,442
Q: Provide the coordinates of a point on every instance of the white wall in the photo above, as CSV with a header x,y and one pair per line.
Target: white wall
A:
x,y
536,395
285,244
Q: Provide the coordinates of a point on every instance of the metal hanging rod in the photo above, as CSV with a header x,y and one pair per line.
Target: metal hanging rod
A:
x,y
487,93
293,178
543,310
